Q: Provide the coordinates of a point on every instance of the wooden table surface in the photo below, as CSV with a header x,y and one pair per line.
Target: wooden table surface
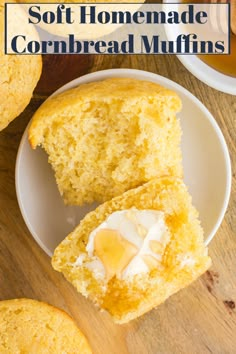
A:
x,y
200,319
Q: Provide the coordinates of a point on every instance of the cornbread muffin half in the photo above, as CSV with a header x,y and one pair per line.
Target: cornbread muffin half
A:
x,y
19,75
134,251
104,138
33,327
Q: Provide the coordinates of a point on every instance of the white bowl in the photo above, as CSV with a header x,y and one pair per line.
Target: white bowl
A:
x,y
197,67
206,162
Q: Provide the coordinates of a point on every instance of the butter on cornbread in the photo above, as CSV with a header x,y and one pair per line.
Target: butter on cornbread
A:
x,y
134,251
104,138
34,327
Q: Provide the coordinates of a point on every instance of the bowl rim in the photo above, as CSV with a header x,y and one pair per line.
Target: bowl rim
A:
x,y
215,79
201,70
142,75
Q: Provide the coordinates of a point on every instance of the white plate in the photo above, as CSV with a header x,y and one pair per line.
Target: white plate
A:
x,y
206,162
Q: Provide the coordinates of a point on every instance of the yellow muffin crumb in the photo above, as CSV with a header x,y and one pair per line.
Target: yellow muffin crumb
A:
x,y
183,256
104,138
34,327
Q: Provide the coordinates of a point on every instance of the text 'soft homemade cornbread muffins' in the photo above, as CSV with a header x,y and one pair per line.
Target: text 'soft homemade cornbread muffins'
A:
x,y
33,327
106,137
19,75
134,251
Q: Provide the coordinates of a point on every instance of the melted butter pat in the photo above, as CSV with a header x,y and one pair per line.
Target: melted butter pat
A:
x,y
114,251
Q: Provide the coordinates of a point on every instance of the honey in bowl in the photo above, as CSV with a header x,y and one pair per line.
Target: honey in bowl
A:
x,y
224,63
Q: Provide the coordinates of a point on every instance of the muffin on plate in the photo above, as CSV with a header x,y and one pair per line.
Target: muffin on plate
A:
x,y
104,138
19,75
34,327
134,251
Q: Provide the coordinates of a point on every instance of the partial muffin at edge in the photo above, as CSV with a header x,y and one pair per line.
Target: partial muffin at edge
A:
x,y
19,75
34,327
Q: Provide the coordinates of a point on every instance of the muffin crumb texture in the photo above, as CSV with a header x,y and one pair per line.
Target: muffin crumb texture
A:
x,y
104,138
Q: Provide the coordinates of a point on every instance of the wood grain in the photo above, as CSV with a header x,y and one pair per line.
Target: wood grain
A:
x,y
200,319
